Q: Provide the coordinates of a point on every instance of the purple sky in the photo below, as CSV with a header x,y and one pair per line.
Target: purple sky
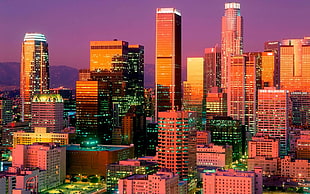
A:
x,y
70,24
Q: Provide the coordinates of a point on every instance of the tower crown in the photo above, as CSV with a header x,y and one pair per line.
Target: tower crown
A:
x,y
35,37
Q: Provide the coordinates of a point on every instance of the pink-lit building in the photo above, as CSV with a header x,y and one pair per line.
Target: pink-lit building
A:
x,y
270,166
212,68
273,115
232,38
48,157
233,182
177,142
303,146
214,155
203,137
47,111
264,146
160,182
295,168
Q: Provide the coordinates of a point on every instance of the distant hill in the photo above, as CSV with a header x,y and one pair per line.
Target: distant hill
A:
x,y
59,76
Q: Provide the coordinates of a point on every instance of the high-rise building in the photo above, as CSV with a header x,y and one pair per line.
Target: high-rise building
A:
x,y
244,81
300,108
295,64
232,38
168,59
212,68
177,142
6,111
273,115
47,111
193,87
34,72
270,69
216,103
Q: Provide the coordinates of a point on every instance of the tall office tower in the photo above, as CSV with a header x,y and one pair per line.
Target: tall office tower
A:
x,y
216,103
47,111
295,65
270,70
212,68
245,79
34,72
232,38
177,142
168,60
6,111
151,138
300,109
193,87
93,111
225,130
273,115
107,55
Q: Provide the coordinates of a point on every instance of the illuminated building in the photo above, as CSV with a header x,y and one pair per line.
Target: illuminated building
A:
x,y
125,168
40,134
8,131
177,142
214,155
212,68
160,182
149,97
273,115
203,137
231,181
193,87
232,38
295,168
93,160
151,138
47,111
34,72
168,59
270,69
300,108
303,147
48,157
106,55
294,64
225,130
270,166
244,82
263,146
216,103
6,111
93,111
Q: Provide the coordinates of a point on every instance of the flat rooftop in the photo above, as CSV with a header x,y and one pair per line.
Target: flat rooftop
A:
x,y
109,148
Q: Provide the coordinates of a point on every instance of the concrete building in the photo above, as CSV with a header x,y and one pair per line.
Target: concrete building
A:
x,y
6,111
214,155
233,182
303,147
40,134
48,157
125,168
203,137
295,168
47,111
264,146
270,166
160,182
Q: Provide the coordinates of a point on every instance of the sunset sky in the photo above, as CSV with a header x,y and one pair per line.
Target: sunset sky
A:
x,y
69,25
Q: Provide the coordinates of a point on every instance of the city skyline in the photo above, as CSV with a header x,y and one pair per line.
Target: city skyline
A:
x,y
76,24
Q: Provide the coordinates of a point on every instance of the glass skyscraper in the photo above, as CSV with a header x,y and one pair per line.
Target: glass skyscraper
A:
x,y
34,72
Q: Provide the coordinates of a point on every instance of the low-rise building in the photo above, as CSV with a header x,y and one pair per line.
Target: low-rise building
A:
x,y
295,168
214,155
270,166
235,182
160,182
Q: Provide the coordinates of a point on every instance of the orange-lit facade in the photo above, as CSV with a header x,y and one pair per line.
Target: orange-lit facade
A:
x,y
168,59
34,72
295,65
242,92
270,69
193,87
232,38
216,103
106,54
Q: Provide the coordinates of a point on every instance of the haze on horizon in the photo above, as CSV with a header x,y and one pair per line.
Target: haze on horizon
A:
x,y
70,25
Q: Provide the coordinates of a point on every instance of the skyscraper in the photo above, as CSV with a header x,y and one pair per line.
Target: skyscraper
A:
x,y
34,73
168,59
232,38
177,142
212,68
295,65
